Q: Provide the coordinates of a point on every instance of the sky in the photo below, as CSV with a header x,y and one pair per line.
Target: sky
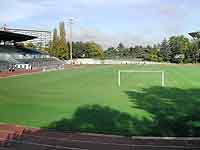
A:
x,y
106,22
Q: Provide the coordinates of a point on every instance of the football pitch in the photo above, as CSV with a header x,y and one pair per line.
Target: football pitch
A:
x,y
88,99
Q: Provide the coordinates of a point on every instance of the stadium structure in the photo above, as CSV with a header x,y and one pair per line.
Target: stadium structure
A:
x,y
42,39
195,35
14,56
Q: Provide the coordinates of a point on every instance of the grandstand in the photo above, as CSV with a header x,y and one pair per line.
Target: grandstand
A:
x,y
42,37
14,56
195,35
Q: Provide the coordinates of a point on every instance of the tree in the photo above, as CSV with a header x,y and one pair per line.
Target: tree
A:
x,y
30,45
179,45
111,52
132,52
121,46
153,54
140,52
165,51
63,51
53,50
93,50
194,52
78,49
122,50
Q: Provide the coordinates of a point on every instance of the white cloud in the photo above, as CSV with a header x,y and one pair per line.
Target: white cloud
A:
x,y
113,2
14,10
107,40
129,21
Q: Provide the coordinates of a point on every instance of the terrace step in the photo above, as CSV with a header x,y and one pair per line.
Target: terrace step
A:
x,y
170,142
82,137
118,140
4,148
162,148
39,139
22,145
97,145
67,136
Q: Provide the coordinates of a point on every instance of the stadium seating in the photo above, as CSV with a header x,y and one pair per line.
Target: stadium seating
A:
x,y
3,65
41,62
11,55
22,138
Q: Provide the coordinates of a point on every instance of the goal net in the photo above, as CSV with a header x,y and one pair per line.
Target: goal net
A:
x,y
161,73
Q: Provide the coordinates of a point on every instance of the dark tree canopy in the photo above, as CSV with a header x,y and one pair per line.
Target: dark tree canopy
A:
x,y
175,49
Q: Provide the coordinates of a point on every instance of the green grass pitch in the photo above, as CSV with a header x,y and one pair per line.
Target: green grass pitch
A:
x,y
88,99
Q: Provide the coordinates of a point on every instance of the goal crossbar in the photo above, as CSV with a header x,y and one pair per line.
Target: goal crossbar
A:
x,y
142,71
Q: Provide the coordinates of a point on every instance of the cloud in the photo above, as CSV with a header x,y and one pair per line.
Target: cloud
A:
x,y
15,11
107,40
174,17
106,21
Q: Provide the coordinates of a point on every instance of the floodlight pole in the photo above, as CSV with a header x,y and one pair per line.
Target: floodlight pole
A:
x,y
70,38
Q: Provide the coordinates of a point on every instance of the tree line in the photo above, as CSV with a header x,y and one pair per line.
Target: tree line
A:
x,y
176,49
59,46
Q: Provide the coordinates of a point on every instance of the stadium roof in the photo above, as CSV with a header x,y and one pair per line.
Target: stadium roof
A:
x,y
17,29
16,37
195,34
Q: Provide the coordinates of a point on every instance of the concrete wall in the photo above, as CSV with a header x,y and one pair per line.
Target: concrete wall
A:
x,y
108,61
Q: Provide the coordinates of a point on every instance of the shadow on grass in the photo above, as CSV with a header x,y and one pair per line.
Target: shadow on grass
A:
x,y
176,112
98,119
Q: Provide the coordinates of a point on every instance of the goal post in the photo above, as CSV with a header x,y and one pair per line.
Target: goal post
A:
x,y
137,71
